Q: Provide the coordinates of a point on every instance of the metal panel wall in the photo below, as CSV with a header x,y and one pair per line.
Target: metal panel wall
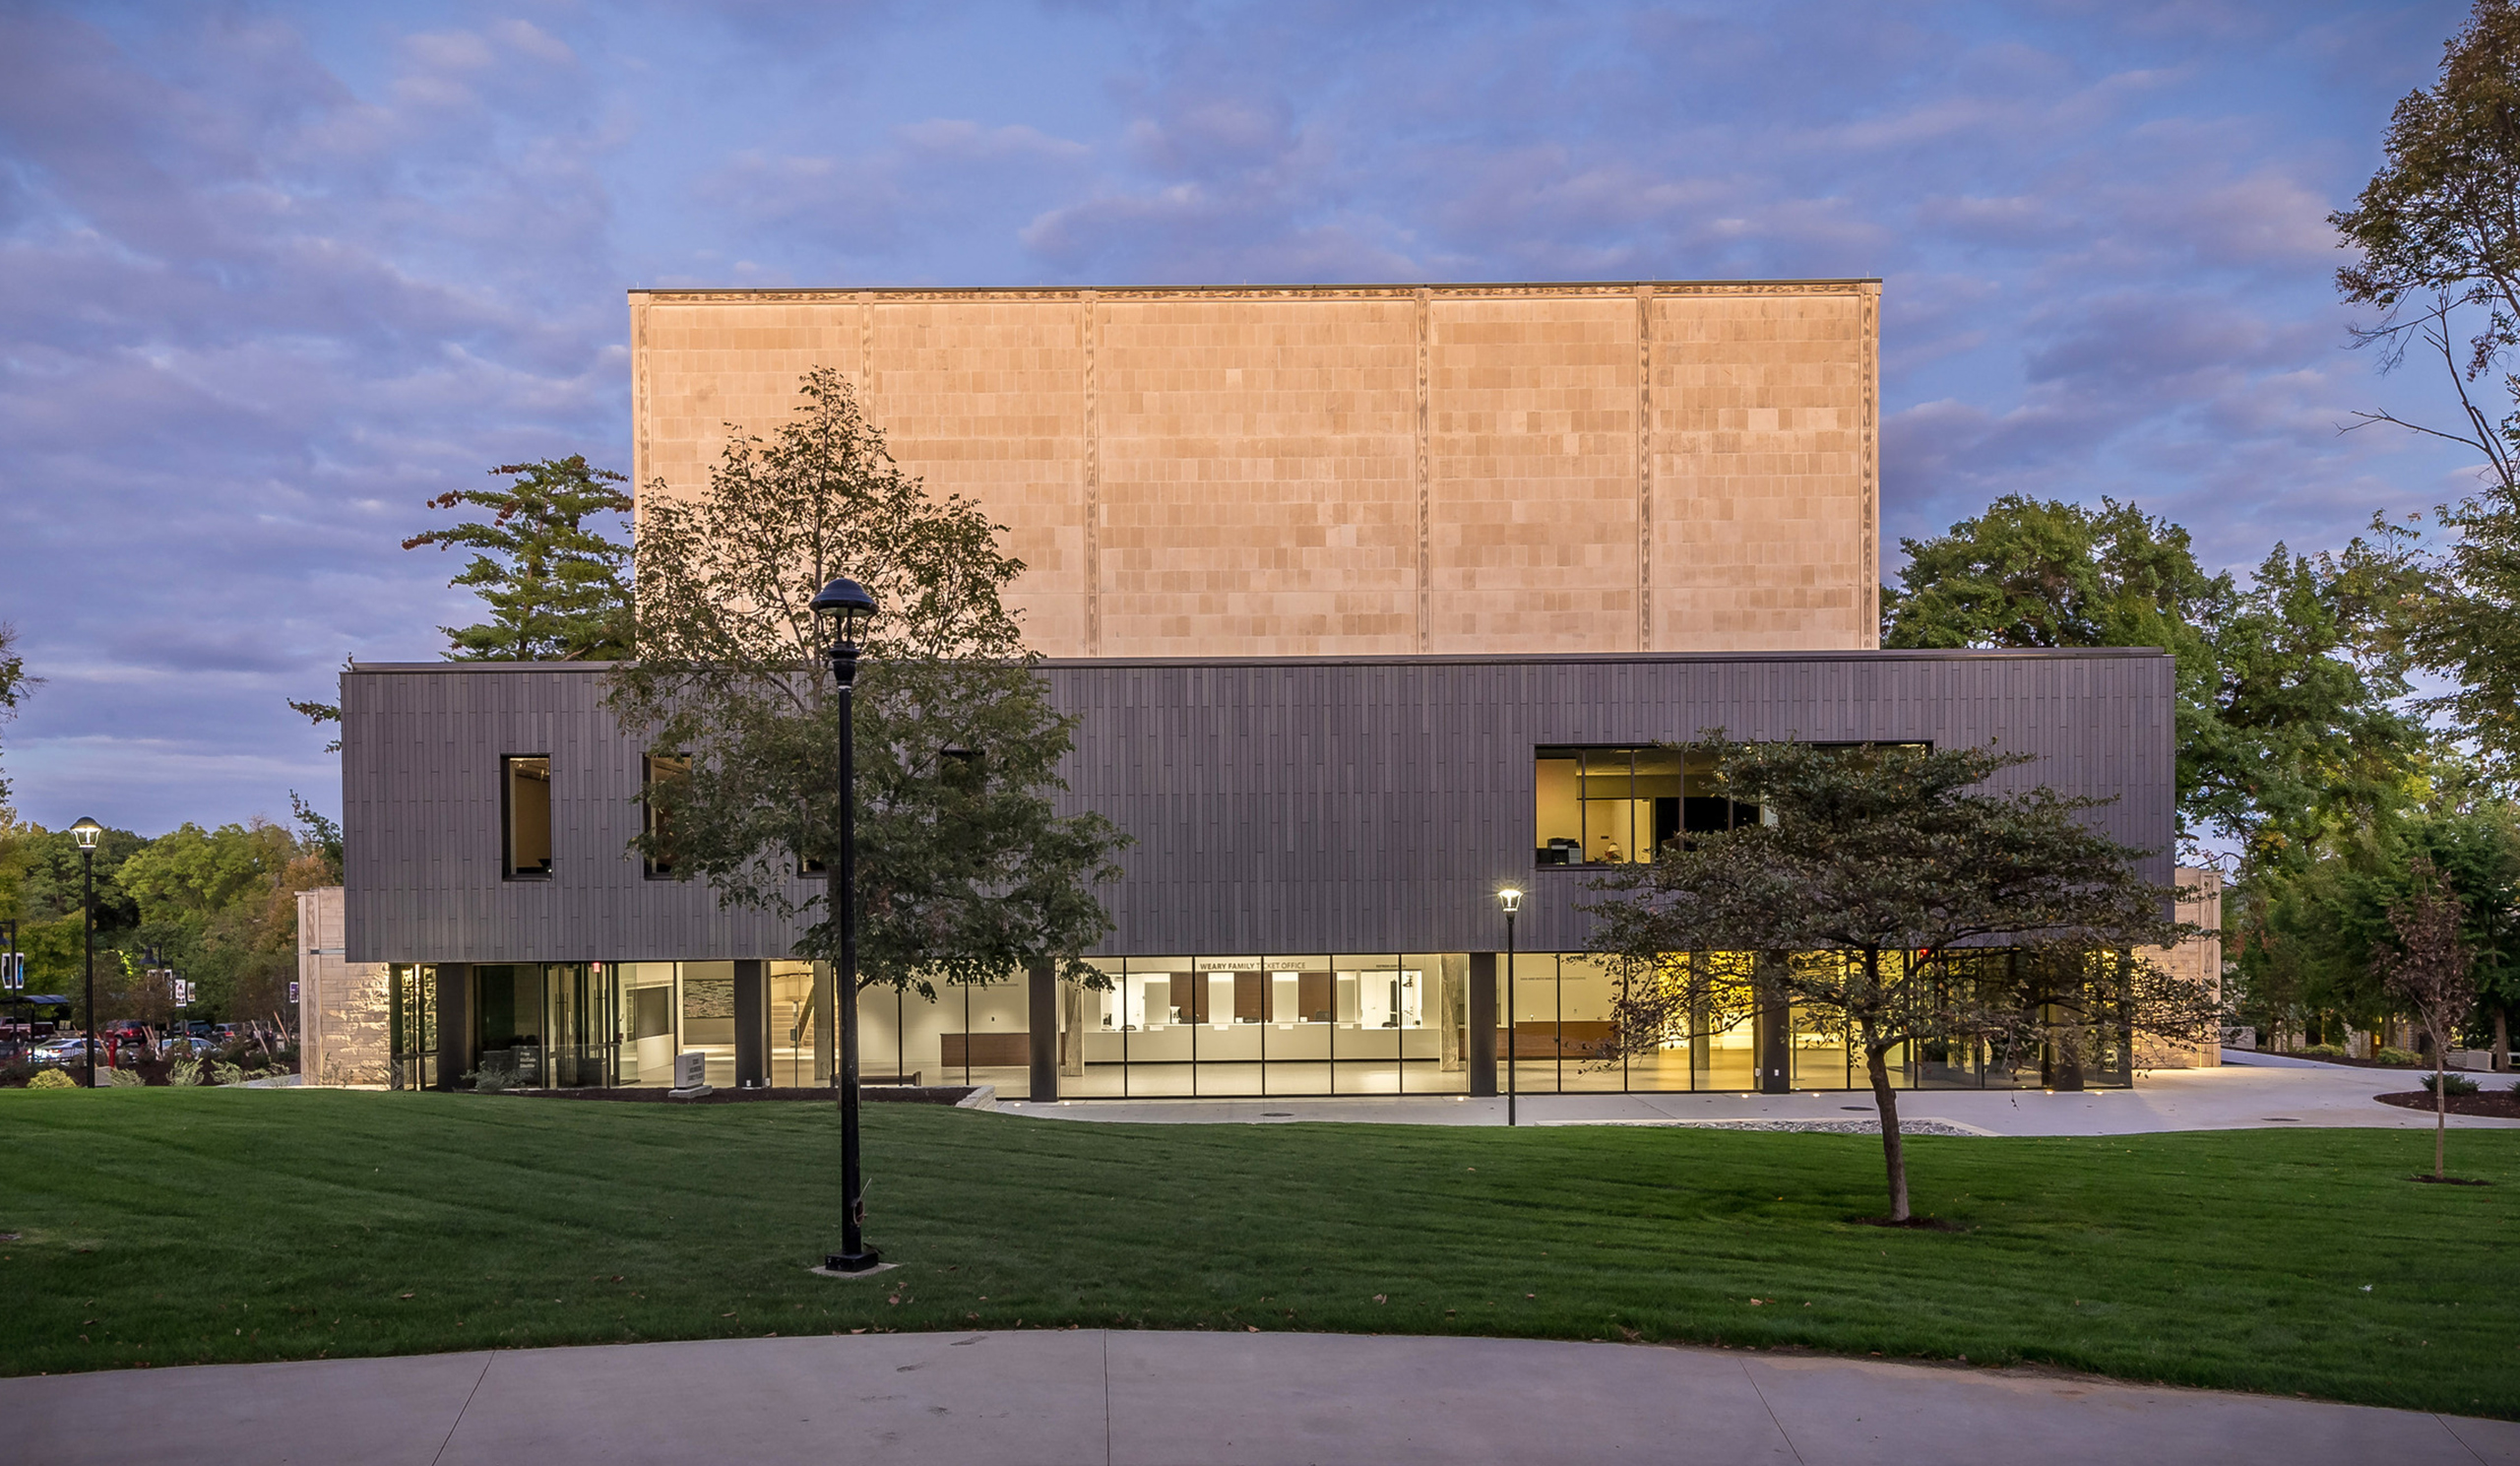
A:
x,y
1299,805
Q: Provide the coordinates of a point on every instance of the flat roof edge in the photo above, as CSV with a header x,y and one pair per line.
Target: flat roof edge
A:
x,y
1527,658
1363,288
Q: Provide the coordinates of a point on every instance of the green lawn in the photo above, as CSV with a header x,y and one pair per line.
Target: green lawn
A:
x,y
176,1227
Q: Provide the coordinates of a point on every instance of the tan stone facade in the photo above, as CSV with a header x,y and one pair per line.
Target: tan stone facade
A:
x,y
342,1007
2198,960
1346,470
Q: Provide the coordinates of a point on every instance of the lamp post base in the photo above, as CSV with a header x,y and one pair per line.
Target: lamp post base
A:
x,y
852,1262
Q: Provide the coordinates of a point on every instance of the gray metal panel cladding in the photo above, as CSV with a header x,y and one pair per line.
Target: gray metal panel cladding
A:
x,y
1277,806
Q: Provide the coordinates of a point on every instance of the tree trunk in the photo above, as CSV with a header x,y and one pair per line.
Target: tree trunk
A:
x,y
2440,1104
2502,1039
1894,1157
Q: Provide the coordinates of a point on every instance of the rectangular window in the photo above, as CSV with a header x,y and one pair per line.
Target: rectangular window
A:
x,y
1614,807
525,799
654,770
1604,807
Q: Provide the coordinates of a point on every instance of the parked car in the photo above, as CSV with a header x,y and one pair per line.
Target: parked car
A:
x,y
58,1051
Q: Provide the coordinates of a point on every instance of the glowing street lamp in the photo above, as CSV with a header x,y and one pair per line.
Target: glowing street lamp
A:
x,y
85,832
1512,901
849,606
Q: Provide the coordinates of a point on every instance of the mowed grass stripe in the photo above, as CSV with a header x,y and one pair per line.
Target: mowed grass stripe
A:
x,y
167,1227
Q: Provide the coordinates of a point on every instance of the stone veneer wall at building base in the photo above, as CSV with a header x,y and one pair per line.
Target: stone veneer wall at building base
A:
x,y
343,1012
1324,470
2199,960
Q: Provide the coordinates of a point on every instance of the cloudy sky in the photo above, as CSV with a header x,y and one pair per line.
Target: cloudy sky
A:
x,y
272,276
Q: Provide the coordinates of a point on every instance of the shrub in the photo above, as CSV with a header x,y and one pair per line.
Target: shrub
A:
x,y
490,1081
225,1072
2396,1056
2325,1050
124,1079
52,1079
2455,1084
184,1071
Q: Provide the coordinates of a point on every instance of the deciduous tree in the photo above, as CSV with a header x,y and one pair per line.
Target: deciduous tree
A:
x,y
2430,968
966,871
1873,889
2436,237
15,684
2285,685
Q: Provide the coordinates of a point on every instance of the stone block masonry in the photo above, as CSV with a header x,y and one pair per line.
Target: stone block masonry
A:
x,y
1329,470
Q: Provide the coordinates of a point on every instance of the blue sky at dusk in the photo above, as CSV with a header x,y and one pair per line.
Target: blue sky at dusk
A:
x,y
272,276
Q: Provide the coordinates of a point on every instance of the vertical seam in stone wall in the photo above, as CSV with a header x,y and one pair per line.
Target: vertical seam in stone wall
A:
x,y
1645,467
1091,330
1425,329
865,343
1868,512
641,409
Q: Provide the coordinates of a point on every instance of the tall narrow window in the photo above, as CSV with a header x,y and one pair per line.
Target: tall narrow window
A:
x,y
524,797
658,772
1557,813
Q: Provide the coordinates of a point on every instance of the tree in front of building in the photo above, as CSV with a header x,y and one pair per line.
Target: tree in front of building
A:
x,y
965,868
2432,972
1884,887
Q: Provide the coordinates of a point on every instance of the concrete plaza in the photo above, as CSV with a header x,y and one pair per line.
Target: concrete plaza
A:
x,y
2248,1092
1108,1398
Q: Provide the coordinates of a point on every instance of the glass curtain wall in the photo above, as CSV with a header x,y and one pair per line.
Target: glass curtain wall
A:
x,y
412,1021
1563,1012
1309,1024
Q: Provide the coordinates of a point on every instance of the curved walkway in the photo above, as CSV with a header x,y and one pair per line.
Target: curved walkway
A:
x,y
1104,1399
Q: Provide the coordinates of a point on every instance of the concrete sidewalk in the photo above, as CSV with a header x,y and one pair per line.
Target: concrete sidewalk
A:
x,y
2236,1096
1115,1399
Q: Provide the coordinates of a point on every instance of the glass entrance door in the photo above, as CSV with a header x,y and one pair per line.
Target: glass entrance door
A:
x,y
585,1028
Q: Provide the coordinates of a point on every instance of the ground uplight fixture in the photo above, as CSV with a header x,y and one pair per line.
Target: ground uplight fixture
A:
x,y
85,832
1511,899
849,606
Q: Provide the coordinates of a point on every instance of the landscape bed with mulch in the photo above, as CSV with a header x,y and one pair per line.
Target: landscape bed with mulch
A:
x,y
2494,1104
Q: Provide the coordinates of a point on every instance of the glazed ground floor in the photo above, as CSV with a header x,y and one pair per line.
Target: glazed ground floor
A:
x,y
1242,1025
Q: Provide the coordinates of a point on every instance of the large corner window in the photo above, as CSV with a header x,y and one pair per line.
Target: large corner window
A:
x,y
1616,806
659,769
525,808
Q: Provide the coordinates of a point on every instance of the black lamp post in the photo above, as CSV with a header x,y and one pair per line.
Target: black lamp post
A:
x,y
85,832
1512,901
846,601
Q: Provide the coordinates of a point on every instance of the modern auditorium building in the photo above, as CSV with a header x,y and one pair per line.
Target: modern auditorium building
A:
x,y
1367,602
